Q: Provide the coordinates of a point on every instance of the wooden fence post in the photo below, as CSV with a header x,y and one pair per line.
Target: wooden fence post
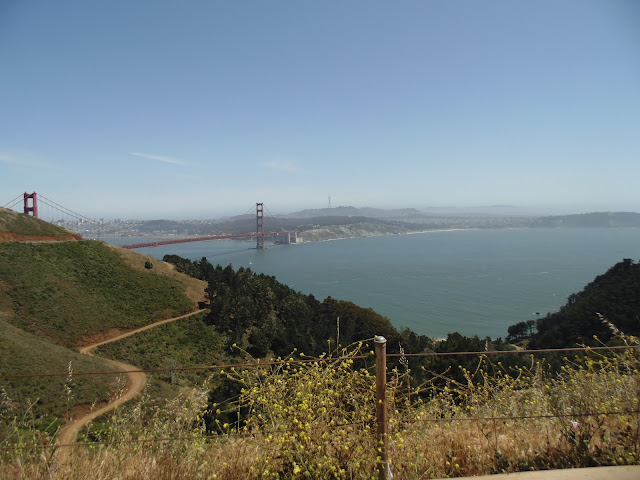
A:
x,y
384,470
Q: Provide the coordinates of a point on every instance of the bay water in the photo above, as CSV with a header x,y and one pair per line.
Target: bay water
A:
x,y
467,281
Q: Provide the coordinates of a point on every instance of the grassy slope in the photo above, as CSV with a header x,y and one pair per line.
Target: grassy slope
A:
x,y
62,293
23,352
69,291
193,287
21,224
183,343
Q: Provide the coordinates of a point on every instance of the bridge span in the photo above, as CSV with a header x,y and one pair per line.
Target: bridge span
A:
x,y
30,207
211,237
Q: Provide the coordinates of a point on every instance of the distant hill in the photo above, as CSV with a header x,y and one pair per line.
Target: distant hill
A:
x,y
615,295
595,220
357,212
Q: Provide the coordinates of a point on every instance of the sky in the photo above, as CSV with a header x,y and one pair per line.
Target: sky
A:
x,y
197,109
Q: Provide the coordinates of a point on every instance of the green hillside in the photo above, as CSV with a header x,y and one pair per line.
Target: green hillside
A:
x,y
69,291
47,398
57,295
20,224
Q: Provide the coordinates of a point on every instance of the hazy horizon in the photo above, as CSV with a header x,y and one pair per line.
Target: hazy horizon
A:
x,y
160,109
490,210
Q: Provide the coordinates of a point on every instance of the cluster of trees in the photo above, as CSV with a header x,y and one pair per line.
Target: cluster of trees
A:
x,y
263,316
614,296
256,313
521,331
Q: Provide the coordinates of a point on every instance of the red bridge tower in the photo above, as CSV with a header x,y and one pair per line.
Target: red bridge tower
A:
x,y
34,203
259,226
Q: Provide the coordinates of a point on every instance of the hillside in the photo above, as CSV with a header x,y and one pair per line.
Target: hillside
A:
x,y
363,229
20,227
69,292
57,292
48,399
615,295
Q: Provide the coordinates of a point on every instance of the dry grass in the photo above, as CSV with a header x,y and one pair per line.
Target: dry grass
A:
x,y
316,420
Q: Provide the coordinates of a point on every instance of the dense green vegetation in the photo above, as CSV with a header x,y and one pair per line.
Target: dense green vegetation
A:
x,y
21,224
256,314
69,291
263,316
614,296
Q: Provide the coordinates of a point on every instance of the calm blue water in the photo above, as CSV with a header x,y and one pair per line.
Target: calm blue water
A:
x,y
469,281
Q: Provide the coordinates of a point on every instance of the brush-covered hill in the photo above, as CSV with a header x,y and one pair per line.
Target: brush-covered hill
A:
x,y
614,296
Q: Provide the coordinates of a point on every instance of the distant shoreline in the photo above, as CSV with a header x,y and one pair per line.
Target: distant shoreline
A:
x,y
384,235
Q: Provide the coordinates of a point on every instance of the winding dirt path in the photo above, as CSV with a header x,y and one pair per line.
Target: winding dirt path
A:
x,y
135,385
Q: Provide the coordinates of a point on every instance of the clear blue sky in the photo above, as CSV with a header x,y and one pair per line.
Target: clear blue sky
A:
x,y
147,109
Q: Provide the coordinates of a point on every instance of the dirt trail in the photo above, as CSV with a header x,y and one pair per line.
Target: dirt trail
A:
x,y
135,385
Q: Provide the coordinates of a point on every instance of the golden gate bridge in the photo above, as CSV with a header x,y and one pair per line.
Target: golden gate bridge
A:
x,y
32,205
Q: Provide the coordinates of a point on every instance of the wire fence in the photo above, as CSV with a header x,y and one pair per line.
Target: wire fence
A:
x,y
382,379
320,360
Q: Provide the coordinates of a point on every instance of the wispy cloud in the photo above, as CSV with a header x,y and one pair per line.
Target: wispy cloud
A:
x,y
283,165
159,158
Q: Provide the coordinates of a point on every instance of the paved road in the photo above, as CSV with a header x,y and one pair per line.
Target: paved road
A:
x,y
595,473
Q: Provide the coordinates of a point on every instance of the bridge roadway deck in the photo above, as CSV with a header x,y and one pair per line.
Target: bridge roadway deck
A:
x,y
201,239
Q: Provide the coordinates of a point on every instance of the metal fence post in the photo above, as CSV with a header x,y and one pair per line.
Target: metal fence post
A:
x,y
384,470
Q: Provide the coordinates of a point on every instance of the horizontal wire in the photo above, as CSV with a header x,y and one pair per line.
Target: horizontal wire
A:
x,y
178,369
512,352
333,427
166,439
293,362
517,417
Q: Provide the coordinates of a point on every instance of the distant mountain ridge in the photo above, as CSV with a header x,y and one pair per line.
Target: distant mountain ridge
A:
x,y
356,212
594,219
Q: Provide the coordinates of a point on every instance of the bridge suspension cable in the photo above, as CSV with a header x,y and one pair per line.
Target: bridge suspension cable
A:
x,y
66,211
14,202
269,211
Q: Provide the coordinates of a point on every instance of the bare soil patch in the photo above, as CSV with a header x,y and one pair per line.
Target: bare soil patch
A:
x,y
16,237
